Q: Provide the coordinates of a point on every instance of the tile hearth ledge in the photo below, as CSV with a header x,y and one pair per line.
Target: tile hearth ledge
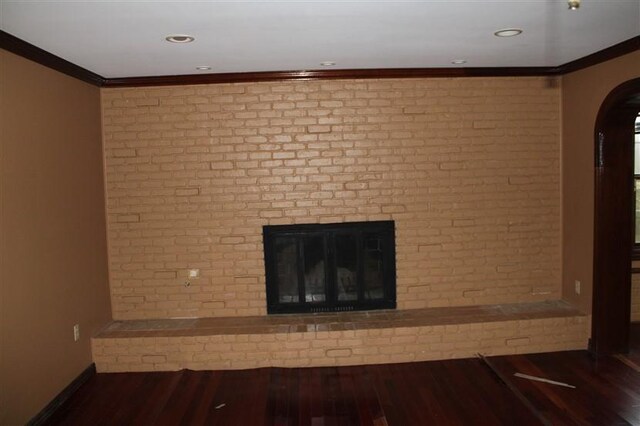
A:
x,y
332,339
359,320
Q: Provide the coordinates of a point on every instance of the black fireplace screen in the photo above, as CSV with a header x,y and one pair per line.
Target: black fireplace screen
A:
x,y
330,267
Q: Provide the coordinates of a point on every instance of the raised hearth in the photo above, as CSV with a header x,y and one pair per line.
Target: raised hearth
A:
x,y
348,338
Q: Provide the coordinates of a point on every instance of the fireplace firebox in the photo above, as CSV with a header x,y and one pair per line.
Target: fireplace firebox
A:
x,y
330,267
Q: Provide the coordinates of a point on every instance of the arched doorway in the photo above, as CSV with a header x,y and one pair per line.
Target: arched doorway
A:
x,y
614,219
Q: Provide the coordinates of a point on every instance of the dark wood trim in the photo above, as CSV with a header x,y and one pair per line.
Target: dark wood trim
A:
x,y
328,75
620,49
45,414
635,270
29,51
613,219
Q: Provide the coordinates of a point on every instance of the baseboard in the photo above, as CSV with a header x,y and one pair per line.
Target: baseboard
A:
x,y
44,414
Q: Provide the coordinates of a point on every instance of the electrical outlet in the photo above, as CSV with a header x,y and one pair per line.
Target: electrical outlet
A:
x,y
577,284
76,332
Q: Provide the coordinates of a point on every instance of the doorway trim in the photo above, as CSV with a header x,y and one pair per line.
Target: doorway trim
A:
x,y
613,231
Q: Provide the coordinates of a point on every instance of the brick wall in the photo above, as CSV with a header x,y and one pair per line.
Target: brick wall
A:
x,y
467,167
635,297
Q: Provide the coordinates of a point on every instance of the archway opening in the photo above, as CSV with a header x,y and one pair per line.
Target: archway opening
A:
x,y
614,224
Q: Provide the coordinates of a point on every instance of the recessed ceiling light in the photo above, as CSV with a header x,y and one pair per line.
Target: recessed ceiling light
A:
x,y
574,4
458,61
327,63
179,38
203,68
508,32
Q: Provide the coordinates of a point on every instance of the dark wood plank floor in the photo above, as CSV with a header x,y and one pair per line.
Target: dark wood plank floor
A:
x,y
456,392
453,392
607,390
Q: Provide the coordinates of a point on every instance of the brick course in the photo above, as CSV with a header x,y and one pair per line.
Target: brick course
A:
x,y
333,348
467,167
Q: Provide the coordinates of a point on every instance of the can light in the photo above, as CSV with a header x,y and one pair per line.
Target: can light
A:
x,y
508,32
179,38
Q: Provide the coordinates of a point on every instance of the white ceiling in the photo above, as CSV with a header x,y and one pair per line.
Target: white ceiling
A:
x,y
126,38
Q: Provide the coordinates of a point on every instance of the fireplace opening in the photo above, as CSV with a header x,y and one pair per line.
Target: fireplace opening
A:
x,y
330,267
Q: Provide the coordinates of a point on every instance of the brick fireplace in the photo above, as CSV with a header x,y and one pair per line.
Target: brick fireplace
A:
x,y
468,168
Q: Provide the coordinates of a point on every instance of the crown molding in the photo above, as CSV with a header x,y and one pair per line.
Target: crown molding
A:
x,y
612,52
327,75
36,54
29,51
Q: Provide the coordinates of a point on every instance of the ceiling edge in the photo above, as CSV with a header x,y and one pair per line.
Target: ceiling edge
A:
x,y
29,51
612,52
36,54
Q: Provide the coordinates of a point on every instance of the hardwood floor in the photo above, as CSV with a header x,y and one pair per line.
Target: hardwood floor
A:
x,y
456,392
607,390
453,392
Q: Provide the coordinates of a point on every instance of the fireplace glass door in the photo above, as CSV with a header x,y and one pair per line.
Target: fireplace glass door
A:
x,y
330,267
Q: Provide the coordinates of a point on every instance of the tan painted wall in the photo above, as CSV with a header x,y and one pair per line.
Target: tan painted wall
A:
x,y
467,167
53,251
582,94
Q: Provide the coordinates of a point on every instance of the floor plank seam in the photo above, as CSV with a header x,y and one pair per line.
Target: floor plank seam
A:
x,y
514,390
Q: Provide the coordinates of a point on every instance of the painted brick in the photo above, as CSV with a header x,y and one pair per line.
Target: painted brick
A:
x,y
635,297
348,347
467,167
